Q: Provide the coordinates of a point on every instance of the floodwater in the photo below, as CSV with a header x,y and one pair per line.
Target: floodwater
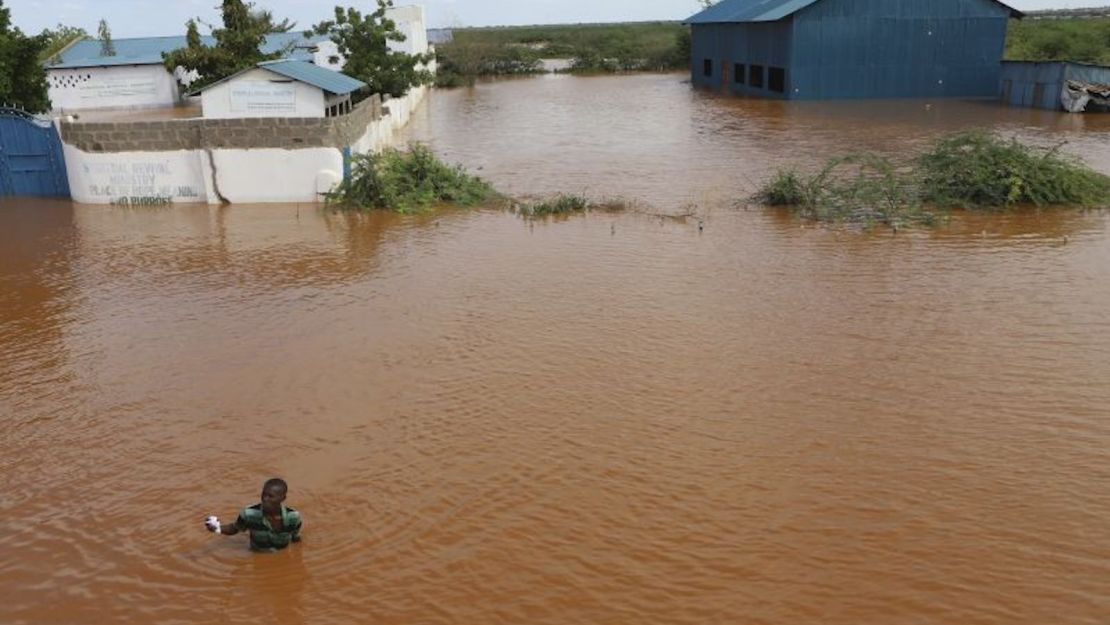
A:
x,y
189,110
605,419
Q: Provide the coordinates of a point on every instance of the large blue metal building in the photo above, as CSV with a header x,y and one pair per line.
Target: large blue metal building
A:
x,y
819,49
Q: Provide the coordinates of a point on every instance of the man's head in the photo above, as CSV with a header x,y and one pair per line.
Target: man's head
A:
x,y
273,494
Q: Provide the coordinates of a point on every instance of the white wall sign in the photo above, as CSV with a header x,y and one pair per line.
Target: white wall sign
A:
x,y
118,87
252,96
136,177
111,87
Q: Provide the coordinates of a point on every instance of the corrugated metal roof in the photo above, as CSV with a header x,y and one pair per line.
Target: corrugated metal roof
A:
x,y
322,77
732,11
317,76
149,50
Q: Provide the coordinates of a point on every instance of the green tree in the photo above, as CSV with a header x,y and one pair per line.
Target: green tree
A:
x,y
22,75
238,44
192,36
104,34
363,40
57,39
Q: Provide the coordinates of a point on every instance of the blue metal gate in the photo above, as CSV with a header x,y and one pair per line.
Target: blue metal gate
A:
x,y
31,161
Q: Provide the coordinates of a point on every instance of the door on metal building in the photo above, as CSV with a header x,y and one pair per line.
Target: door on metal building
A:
x,y
31,161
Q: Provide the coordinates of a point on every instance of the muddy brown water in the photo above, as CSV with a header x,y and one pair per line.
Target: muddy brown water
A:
x,y
602,419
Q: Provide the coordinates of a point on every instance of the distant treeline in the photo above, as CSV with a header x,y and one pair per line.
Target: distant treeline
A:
x,y
1087,12
506,50
1072,39
1072,35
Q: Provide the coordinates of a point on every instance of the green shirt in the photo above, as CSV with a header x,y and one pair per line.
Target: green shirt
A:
x,y
263,536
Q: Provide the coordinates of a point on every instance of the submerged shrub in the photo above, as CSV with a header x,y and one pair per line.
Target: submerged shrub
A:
x,y
967,170
785,189
858,189
558,205
980,170
567,203
407,181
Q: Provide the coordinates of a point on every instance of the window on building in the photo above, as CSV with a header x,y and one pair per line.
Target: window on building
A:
x,y
776,79
707,67
755,76
738,73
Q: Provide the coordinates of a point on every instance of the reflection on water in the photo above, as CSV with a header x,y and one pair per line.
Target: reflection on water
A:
x,y
189,110
605,419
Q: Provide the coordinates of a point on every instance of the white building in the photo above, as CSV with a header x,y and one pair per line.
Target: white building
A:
x,y
230,160
80,77
284,88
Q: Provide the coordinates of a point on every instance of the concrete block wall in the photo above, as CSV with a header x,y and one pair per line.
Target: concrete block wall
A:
x,y
290,133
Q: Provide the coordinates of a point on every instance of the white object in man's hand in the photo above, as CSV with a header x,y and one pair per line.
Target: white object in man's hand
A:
x,y
213,524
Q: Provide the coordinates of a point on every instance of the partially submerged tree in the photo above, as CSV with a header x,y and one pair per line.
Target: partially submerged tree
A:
x,y
22,75
363,41
104,34
238,43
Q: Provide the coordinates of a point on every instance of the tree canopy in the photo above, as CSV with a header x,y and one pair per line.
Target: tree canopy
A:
x,y
238,43
57,39
22,75
363,41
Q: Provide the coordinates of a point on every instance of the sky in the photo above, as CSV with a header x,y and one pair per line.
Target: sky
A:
x,y
148,18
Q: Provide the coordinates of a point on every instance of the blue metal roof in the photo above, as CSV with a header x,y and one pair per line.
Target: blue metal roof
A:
x,y
149,50
303,71
322,77
732,11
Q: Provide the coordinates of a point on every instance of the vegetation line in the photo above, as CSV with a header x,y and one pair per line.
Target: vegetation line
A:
x,y
970,170
414,180
590,48
407,181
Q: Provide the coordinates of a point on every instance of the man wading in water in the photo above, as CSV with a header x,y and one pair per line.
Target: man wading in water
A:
x,y
272,524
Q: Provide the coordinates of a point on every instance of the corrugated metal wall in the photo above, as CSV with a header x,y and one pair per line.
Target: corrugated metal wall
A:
x,y
727,46
1097,74
31,158
1034,85
1039,84
865,49
898,48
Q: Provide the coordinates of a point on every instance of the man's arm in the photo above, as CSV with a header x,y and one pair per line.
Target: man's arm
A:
x,y
295,528
230,529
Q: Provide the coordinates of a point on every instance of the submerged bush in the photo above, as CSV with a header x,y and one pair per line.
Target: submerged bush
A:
x,y
567,203
980,170
860,189
558,205
966,170
786,189
407,181
463,60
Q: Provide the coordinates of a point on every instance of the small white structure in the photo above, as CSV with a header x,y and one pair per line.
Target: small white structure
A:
x,y
410,23
280,89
